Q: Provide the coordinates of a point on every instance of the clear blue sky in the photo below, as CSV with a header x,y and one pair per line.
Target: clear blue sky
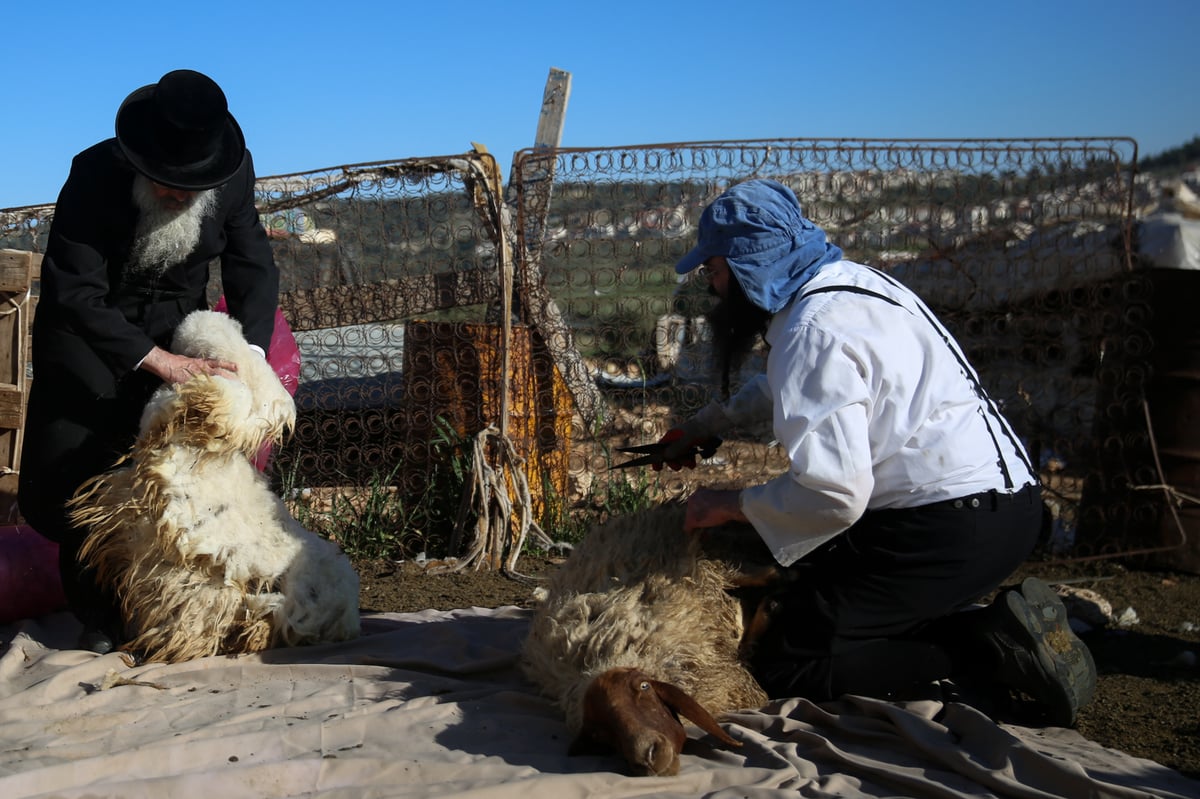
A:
x,y
317,84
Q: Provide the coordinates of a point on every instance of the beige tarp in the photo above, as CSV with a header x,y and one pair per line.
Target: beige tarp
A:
x,y
432,704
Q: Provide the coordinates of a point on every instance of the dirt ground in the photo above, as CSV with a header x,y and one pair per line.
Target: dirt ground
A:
x,y
1147,702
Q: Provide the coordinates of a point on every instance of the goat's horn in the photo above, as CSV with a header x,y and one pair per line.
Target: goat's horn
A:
x,y
682,703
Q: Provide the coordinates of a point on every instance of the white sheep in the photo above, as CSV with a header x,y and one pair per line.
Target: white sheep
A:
x,y
204,557
639,626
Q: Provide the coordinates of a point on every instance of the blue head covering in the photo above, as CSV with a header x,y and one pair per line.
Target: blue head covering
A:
x,y
771,248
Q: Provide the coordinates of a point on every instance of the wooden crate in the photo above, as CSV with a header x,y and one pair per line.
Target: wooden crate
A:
x,y
17,272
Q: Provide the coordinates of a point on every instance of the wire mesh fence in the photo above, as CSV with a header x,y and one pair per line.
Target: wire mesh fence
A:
x,y
1021,247
393,283
362,251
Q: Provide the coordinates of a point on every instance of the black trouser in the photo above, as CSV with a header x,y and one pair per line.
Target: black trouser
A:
x,y
873,612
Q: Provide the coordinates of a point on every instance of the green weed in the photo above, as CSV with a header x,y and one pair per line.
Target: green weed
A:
x,y
611,494
376,518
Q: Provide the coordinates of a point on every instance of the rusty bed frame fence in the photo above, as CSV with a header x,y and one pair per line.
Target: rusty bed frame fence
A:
x,y
422,293
1023,248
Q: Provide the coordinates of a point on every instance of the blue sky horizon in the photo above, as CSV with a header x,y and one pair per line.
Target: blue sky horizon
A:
x,y
315,85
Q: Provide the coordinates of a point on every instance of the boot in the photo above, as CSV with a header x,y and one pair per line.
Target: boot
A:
x,y
1039,655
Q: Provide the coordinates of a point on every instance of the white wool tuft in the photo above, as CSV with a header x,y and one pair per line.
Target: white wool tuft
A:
x,y
206,558
269,409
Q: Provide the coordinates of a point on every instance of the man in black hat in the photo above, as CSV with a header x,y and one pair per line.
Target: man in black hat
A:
x,y
135,227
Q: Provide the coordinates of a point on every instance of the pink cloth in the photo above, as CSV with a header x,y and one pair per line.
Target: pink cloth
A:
x,y
284,357
29,581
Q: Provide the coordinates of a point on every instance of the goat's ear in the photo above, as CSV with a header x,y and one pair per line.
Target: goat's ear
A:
x,y
682,704
587,744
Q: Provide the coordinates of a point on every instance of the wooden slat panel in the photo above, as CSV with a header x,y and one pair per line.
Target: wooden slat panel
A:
x,y
16,271
12,402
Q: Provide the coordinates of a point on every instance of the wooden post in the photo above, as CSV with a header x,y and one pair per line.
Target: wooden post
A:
x,y
554,109
16,278
535,303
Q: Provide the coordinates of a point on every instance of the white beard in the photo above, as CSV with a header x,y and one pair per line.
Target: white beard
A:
x,y
165,237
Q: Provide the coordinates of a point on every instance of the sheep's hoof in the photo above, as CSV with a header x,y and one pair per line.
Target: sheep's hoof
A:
x,y
96,640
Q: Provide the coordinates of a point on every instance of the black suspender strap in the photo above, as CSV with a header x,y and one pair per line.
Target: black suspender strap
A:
x,y
852,290
962,362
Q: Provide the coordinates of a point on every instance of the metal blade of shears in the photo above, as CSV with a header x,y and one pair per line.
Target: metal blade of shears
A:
x,y
651,454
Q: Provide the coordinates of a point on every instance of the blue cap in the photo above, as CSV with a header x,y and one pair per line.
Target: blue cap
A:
x,y
771,248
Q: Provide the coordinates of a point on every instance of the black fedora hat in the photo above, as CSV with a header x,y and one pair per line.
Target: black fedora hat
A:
x,y
179,132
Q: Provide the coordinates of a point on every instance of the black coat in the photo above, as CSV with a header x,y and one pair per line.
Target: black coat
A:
x,y
94,323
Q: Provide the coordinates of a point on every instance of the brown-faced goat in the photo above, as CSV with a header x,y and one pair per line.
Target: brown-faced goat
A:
x,y
204,557
639,626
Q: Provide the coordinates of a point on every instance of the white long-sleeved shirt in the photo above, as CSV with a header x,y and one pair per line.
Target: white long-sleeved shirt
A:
x,y
876,408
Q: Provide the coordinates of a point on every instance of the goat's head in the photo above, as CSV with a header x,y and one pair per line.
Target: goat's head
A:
x,y
206,413
219,414
626,710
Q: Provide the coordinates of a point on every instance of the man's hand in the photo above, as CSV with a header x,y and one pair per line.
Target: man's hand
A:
x,y
709,507
682,449
172,368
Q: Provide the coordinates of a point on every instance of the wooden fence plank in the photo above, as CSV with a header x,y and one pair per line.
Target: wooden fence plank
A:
x,y
16,279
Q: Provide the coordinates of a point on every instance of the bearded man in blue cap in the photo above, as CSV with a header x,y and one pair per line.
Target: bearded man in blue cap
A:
x,y
135,227
909,497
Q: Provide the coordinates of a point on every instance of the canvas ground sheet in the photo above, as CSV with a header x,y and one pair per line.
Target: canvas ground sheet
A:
x,y
433,704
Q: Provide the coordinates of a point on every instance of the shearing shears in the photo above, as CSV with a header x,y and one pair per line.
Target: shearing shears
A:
x,y
656,453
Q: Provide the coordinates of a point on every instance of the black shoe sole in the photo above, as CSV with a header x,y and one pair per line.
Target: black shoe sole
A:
x,y
1073,659
1065,677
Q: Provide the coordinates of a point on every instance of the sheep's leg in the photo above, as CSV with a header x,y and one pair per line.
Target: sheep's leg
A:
x,y
757,619
760,577
756,590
